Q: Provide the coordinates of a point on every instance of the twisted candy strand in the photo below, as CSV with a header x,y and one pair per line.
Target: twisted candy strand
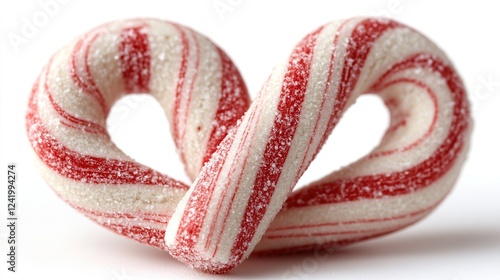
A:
x,y
241,200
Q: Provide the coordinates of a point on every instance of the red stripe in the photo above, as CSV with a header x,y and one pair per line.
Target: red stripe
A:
x,y
180,120
150,236
303,165
143,217
361,221
178,90
332,244
87,83
281,135
328,233
75,122
410,180
96,92
402,121
429,131
86,168
233,103
135,59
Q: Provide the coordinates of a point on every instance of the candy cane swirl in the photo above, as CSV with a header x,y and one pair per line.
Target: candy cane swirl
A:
x,y
241,199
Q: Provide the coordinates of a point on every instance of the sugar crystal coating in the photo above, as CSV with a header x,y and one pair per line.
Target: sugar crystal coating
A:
x,y
245,158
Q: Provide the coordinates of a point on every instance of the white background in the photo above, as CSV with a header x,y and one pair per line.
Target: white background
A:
x,y
460,240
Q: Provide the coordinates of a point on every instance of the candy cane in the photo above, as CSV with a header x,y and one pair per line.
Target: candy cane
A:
x,y
244,171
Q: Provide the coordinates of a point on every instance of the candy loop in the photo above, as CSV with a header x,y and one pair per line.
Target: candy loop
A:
x,y
244,171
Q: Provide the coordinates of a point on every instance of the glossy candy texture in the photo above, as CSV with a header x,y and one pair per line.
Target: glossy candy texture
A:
x,y
246,157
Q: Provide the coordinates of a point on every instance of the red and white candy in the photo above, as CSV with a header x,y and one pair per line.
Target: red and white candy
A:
x,y
241,200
